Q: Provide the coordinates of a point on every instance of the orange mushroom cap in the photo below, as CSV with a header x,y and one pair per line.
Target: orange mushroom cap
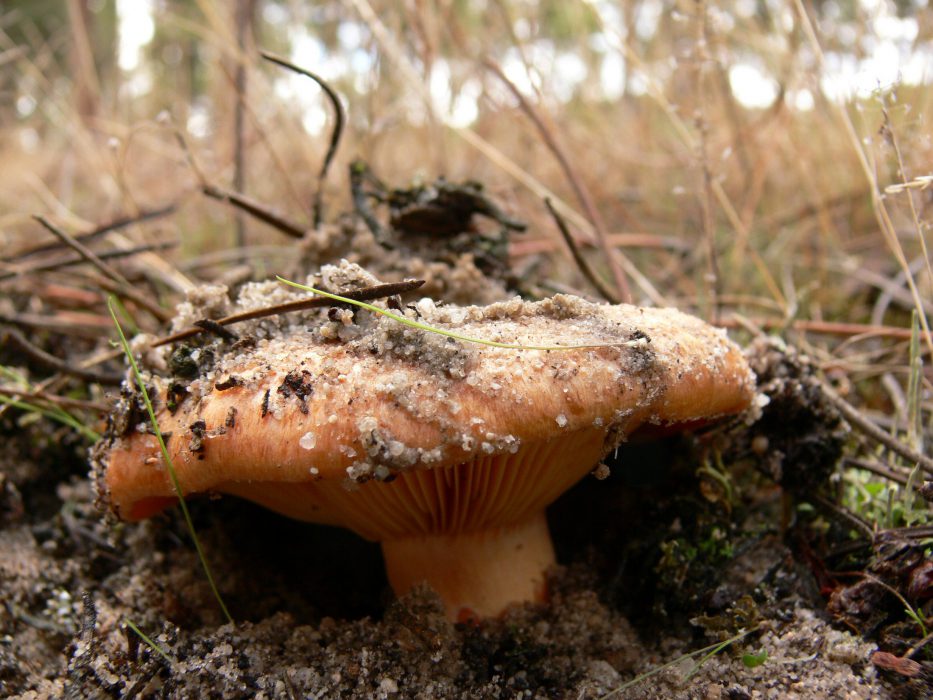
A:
x,y
445,452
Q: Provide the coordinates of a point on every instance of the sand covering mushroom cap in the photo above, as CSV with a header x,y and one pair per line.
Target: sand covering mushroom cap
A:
x,y
421,442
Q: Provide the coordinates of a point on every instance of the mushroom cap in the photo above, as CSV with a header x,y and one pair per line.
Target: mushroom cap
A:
x,y
468,437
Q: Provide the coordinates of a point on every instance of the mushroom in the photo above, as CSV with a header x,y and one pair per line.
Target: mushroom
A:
x,y
445,452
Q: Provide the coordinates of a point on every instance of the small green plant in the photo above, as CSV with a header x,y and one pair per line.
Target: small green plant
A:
x,y
167,458
56,413
755,660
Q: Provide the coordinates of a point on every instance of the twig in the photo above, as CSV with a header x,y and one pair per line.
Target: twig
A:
x,y
841,513
55,399
339,120
220,257
584,266
116,224
359,174
43,358
77,260
531,246
827,327
375,292
583,195
918,646
854,416
126,289
84,329
879,469
256,209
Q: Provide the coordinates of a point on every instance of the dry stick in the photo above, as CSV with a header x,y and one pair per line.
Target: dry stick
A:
x,y
855,417
68,262
339,120
827,327
126,289
877,468
56,381
244,15
55,399
375,292
89,330
116,224
584,266
256,209
532,246
247,204
582,193
880,210
891,290
842,514
783,219
52,362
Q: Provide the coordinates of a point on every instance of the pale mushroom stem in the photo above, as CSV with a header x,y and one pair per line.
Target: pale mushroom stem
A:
x,y
476,574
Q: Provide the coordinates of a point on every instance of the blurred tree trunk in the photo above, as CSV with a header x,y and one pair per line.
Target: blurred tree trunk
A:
x,y
245,15
86,84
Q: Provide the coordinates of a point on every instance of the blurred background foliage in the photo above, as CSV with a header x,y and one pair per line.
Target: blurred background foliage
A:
x,y
700,129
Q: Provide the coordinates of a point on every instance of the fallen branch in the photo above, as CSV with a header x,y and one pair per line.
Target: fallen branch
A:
x,y
377,291
256,209
340,119
859,421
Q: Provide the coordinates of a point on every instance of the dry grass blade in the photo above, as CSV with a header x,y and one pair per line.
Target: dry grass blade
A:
x,y
115,225
878,205
54,399
16,270
256,209
866,426
339,121
878,469
77,324
495,156
126,289
580,190
860,330
584,266
14,337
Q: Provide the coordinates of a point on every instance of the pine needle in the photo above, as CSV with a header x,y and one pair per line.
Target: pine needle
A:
x,y
450,334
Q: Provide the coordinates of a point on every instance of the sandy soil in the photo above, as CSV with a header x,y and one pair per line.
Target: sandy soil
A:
x,y
656,564
315,618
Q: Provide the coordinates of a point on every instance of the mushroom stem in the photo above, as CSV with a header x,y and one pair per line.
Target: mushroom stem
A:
x,y
476,574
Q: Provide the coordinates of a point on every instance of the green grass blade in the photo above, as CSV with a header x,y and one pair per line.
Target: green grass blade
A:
x,y
54,412
168,460
57,413
709,652
914,423
451,334
149,641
